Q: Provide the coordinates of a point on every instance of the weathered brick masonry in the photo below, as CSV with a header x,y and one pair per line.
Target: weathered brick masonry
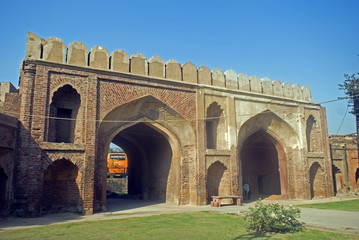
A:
x,y
189,133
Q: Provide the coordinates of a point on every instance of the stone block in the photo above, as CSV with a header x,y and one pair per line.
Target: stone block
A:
x,y
54,50
277,88
256,85
287,90
77,54
138,64
156,67
243,82
297,92
189,72
33,46
231,79
267,87
306,94
120,61
204,75
218,78
99,58
173,70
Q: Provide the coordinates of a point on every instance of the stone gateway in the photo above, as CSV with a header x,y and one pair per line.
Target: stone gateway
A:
x,y
190,133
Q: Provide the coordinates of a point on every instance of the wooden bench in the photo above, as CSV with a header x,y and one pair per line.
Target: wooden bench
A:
x,y
236,200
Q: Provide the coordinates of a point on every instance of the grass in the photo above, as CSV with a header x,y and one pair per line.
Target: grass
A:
x,y
350,205
195,225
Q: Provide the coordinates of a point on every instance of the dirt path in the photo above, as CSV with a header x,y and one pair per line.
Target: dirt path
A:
x,y
117,209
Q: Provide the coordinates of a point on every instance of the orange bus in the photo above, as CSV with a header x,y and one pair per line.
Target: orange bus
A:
x,y
117,165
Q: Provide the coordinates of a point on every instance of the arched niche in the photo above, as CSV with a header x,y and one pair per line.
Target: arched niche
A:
x,y
215,127
313,135
216,180
317,185
64,108
61,192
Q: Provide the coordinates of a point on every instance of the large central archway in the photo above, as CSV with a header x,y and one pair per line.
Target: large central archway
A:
x,y
160,147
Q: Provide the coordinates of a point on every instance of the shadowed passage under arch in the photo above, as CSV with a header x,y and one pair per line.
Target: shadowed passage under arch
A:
x,y
260,165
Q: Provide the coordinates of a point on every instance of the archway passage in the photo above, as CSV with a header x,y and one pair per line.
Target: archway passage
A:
x,y
260,165
60,189
3,182
149,161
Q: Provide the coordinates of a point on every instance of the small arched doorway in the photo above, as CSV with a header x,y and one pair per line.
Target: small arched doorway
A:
x,y
60,187
316,175
263,166
217,178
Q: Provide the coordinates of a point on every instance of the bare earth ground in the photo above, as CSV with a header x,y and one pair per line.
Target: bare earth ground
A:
x,y
343,221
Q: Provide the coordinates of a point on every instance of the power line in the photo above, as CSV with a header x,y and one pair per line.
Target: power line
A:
x,y
346,111
168,120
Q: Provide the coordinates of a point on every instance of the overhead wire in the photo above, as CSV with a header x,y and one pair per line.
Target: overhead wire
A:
x,y
167,120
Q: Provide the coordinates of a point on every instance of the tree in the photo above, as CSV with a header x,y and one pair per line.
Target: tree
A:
x,y
351,89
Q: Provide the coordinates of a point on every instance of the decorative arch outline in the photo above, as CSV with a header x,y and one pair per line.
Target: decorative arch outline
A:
x,y
283,137
164,120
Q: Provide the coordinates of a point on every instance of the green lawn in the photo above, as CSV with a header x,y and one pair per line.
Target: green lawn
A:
x,y
195,225
350,205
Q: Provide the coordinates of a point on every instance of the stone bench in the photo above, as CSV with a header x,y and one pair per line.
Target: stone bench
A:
x,y
217,200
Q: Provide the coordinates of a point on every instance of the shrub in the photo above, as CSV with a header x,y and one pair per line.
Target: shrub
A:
x,y
273,218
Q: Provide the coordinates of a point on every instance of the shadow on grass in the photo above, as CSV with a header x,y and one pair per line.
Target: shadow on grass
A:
x,y
253,236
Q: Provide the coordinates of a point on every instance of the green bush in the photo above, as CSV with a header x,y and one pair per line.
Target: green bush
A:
x,y
273,218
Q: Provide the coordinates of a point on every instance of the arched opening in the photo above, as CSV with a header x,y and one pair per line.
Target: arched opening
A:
x,y
312,135
117,172
215,126
316,180
60,188
357,177
3,191
217,180
64,108
159,144
338,180
260,165
149,160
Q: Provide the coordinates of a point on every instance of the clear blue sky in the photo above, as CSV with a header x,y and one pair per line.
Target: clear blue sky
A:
x,y
309,42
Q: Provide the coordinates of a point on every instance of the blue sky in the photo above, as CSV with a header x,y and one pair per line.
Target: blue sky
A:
x,y
309,42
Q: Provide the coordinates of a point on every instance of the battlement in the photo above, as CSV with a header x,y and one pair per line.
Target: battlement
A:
x,y
54,50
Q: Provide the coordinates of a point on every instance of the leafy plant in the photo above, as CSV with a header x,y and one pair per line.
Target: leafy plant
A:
x,y
273,218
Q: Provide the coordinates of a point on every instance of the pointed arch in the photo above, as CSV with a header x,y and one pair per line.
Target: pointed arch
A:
x,y
60,187
63,111
281,136
312,134
316,174
215,126
217,178
150,115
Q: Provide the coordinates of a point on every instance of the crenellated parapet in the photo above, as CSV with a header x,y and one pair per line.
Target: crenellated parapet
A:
x,y
54,50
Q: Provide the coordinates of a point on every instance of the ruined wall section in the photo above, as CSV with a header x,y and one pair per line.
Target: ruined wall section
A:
x,y
54,50
8,130
344,154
